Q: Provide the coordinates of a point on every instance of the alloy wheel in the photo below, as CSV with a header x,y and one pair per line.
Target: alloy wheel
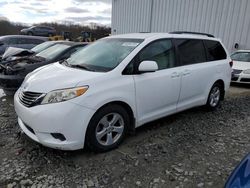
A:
x,y
214,96
109,129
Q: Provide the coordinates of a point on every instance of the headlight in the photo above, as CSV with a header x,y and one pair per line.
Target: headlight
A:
x,y
64,95
246,71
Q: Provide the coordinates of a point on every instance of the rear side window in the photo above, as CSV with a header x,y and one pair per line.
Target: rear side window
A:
x,y
162,52
191,51
215,51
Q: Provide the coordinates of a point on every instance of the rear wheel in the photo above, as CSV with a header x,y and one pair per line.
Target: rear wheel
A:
x,y
30,33
107,128
214,97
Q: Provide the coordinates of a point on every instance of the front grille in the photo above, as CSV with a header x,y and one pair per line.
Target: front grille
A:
x,y
29,99
236,71
245,80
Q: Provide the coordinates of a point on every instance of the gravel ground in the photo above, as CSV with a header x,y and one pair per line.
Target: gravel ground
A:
x,y
194,148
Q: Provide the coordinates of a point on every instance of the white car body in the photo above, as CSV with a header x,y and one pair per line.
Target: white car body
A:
x,y
150,96
241,70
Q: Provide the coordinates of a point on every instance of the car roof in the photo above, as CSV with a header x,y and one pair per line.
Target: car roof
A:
x,y
162,35
23,36
42,26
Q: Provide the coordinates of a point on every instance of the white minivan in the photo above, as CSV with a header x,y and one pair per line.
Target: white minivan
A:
x,y
119,83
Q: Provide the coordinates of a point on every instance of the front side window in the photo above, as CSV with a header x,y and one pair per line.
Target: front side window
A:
x,y
104,55
241,56
162,52
191,51
215,51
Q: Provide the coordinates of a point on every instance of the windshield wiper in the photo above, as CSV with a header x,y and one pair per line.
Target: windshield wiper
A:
x,y
65,62
82,67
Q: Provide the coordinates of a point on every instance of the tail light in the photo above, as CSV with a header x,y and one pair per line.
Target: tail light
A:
x,y
231,63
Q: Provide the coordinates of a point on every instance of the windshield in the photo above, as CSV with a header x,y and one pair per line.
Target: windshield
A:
x,y
104,55
41,47
53,51
241,56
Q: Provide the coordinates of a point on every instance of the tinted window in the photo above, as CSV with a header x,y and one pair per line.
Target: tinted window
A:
x,y
191,51
28,41
36,41
162,52
13,41
215,51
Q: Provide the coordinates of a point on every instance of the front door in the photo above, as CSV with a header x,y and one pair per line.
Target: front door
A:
x,y
157,93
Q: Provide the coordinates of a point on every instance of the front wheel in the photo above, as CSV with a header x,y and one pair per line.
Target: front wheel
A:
x,y
107,128
214,96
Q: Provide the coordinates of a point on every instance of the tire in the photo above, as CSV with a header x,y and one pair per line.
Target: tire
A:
x,y
215,96
30,33
111,124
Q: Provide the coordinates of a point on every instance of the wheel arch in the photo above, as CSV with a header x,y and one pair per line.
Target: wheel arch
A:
x,y
222,84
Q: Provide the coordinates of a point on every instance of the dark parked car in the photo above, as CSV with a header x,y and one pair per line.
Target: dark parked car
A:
x,y
39,31
19,41
12,74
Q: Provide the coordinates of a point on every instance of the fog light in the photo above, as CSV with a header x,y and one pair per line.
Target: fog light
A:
x,y
58,136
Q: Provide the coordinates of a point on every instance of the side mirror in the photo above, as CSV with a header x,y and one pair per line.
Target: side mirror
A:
x,y
148,66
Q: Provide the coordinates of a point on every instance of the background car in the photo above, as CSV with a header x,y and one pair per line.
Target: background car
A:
x,y
39,31
241,66
13,74
26,42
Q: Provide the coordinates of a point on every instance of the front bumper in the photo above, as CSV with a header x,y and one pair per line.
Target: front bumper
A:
x,y
66,118
241,78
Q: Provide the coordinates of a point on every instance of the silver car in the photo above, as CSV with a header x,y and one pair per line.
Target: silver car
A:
x,y
19,41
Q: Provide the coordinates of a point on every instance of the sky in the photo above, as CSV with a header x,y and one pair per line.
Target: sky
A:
x,y
61,11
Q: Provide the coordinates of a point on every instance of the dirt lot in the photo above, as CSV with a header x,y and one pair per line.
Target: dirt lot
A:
x,y
194,148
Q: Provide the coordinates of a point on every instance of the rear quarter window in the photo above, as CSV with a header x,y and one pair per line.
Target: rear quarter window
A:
x,y
215,50
191,51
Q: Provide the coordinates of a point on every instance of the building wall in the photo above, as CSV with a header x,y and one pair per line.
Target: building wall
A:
x,y
226,19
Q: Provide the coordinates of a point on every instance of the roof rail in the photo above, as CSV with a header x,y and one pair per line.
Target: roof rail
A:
x,y
194,33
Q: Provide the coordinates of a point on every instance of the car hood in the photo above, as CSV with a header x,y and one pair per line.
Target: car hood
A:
x,y
12,51
241,65
56,76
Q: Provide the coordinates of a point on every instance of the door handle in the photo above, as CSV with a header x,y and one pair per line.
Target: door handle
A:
x,y
186,72
175,75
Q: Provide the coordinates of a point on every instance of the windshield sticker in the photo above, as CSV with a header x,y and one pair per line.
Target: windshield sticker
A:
x,y
130,44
